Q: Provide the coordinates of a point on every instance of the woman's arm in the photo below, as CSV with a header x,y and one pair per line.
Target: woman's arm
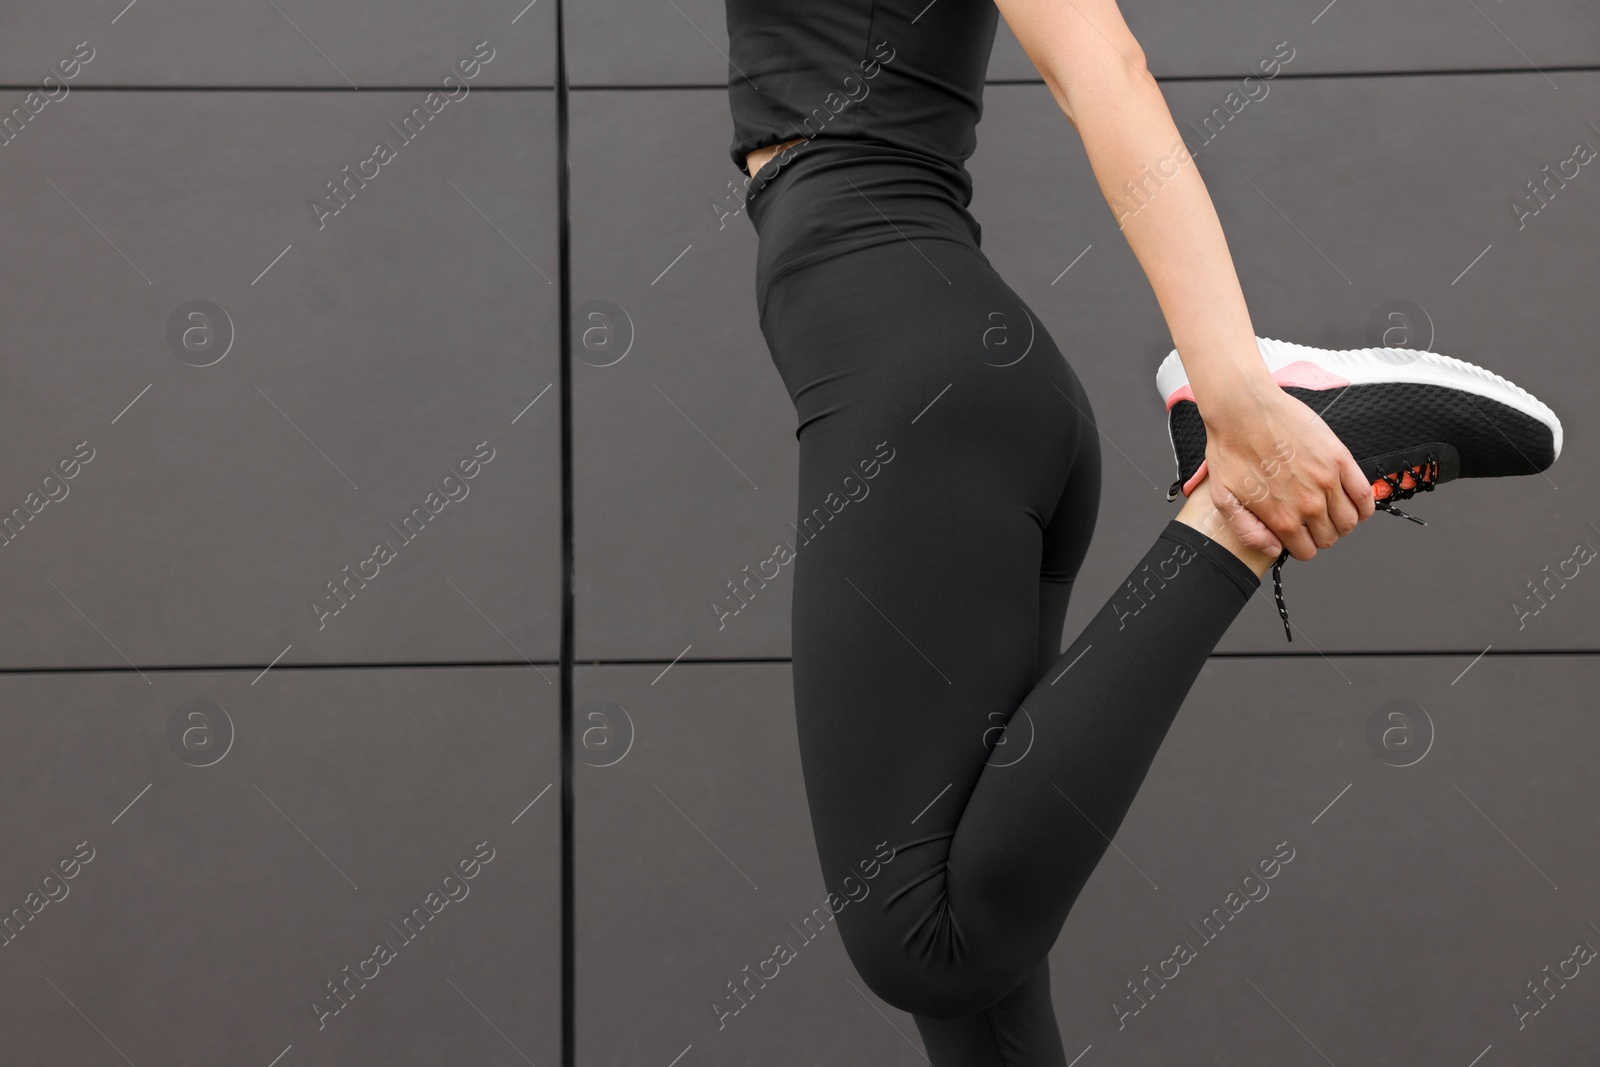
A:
x,y
1096,72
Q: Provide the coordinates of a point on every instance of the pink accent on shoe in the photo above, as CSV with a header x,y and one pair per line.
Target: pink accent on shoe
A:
x,y
1194,479
1302,374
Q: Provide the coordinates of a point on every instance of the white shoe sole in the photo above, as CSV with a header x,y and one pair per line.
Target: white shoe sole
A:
x,y
1370,366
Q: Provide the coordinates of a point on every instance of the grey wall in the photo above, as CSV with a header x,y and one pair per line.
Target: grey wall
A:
x,y
254,832
247,848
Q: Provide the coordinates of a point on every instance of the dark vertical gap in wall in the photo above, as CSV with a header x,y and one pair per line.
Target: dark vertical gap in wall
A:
x,y
564,309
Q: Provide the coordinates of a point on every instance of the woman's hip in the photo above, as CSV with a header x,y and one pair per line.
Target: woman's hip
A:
x,y
876,326
921,344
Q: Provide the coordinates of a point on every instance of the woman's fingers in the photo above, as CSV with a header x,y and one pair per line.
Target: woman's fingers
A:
x,y
1245,525
1341,512
1294,528
1341,507
1357,488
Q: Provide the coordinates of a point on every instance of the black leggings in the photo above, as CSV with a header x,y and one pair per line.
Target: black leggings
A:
x,y
949,479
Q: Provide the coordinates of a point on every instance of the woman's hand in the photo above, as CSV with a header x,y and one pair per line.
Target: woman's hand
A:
x,y
1280,475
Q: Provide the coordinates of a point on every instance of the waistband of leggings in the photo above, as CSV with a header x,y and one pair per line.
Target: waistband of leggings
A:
x,y
826,152
835,196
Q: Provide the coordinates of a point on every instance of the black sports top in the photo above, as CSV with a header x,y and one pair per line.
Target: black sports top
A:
x,y
888,93
905,73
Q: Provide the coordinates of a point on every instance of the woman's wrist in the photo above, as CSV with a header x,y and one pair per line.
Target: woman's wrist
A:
x,y
1229,394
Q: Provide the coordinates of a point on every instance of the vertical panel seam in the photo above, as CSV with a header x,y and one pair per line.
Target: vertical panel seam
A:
x,y
564,310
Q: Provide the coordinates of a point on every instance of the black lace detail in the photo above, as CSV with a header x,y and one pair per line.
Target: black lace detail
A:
x,y
1424,477
1277,592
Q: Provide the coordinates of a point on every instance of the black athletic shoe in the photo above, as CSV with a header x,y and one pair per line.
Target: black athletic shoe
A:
x,y
1411,420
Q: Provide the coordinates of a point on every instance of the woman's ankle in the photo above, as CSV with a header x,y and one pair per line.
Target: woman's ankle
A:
x,y
1199,513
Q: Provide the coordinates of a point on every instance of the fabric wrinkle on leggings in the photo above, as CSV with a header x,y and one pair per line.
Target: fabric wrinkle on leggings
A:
x,y
934,706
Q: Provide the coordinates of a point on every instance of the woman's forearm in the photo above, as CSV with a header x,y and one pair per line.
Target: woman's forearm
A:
x,y
1156,194
1282,477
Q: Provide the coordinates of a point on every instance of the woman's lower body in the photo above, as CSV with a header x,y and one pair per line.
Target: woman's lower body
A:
x,y
949,481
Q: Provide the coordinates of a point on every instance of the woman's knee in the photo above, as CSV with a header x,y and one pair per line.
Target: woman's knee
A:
x,y
928,969
948,991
